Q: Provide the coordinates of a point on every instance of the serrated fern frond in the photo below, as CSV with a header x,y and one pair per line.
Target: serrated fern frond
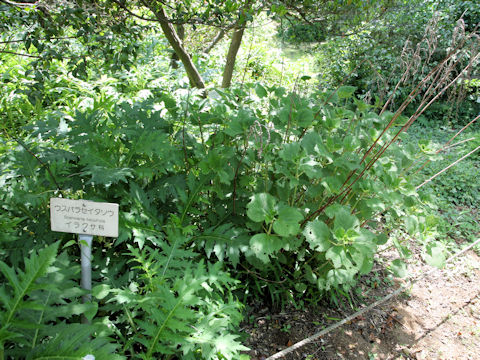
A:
x,y
74,341
22,283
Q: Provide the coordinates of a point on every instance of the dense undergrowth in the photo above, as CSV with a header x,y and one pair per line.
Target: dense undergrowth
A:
x,y
256,192
455,194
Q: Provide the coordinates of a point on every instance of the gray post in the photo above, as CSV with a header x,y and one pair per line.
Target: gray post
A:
x,y
86,259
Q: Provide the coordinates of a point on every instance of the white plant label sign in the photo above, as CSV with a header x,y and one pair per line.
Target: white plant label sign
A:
x,y
84,217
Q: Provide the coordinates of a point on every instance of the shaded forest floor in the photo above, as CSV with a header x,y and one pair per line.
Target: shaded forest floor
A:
x,y
436,318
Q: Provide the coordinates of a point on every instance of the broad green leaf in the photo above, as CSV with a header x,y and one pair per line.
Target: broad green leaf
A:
x,y
399,268
382,239
311,168
288,222
69,243
264,245
435,255
305,117
317,234
367,265
362,255
312,142
290,152
91,310
333,184
260,91
338,256
346,91
101,291
344,219
262,208
337,277
300,287
411,224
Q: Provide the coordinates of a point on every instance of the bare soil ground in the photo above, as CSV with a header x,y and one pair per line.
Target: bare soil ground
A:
x,y
436,318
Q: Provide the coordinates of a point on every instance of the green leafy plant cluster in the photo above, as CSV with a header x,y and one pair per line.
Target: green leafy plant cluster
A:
x,y
154,295
251,192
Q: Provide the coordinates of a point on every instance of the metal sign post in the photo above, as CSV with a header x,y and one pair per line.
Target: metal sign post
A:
x,y
86,260
85,218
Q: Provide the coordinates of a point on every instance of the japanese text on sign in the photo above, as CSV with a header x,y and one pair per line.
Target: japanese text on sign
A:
x,y
84,217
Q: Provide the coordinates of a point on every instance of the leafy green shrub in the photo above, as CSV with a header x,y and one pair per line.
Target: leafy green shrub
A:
x,y
179,306
296,32
286,192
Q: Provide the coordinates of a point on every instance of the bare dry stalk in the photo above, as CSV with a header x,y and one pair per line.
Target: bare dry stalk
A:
x,y
448,167
421,108
458,143
446,146
433,85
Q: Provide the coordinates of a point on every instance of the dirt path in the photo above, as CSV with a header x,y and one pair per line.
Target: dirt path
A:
x,y
437,318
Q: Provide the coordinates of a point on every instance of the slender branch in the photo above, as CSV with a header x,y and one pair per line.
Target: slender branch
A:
x,y
448,167
22,5
20,54
448,143
215,41
124,7
45,39
458,143
235,178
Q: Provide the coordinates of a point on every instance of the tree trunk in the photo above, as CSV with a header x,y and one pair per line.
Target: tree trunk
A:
x,y
175,42
231,56
181,35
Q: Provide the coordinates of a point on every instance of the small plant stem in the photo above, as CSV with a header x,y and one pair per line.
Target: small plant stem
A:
x,y
356,202
289,120
185,114
35,337
269,231
265,177
344,200
296,186
235,178
259,277
200,127
20,54
458,143
448,167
